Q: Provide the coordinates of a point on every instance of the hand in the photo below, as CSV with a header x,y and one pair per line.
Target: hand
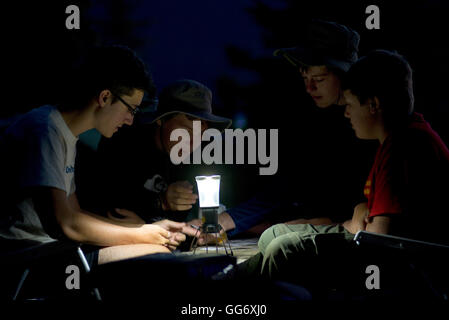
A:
x,y
180,227
177,230
211,237
129,217
195,222
155,234
226,221
348,226
175,240
170,225
188,230
178,197
359,219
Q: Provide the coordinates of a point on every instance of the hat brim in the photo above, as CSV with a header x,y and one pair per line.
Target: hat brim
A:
x,y
214,121
306,57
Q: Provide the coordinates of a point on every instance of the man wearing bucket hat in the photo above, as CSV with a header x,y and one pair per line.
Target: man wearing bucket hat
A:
x,y
323,56
137,161
187,97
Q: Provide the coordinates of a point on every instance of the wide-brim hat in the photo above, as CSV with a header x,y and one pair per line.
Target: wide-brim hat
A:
x,y
188,97
324,43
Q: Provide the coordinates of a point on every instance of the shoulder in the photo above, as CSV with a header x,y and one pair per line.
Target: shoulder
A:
x,y
422,138
36,134
418,148
32,125
418,135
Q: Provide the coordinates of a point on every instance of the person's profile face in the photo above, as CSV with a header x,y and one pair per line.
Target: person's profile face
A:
x,y
180,121
322,85
362,119
116,114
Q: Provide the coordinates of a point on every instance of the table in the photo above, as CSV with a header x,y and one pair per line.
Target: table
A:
x,y
242,249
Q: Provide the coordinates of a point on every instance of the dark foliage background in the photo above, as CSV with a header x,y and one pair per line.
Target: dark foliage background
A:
x,y
38,53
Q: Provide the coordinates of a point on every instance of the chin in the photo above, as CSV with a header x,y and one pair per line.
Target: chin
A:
x,y
362,137
107,134
323,104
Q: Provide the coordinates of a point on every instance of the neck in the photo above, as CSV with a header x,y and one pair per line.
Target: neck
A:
x,y
382,134
78,121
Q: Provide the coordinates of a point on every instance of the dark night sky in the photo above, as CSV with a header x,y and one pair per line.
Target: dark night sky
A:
x,y
188,39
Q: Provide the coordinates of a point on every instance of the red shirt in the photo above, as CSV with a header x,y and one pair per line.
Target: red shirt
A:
x,y
409,166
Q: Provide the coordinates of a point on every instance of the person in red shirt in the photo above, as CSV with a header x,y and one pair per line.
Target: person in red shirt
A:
x,y
407,183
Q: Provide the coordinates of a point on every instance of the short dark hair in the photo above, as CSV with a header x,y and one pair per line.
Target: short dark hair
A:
x,y
387,76
116,68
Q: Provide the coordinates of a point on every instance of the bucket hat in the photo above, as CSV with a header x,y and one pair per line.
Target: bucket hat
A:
x,y
325,43
189,97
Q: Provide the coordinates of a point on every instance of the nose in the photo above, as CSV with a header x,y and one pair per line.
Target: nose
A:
x,y
129,119
310,86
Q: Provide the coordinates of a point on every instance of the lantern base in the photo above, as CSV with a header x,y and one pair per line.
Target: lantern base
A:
x,y
212,229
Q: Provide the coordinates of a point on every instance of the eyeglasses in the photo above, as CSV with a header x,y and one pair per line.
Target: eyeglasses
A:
x,y
131,110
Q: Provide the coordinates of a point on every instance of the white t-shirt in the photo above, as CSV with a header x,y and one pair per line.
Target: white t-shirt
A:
x,y
39,150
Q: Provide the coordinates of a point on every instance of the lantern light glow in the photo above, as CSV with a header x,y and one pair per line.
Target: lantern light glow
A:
x,y
208,190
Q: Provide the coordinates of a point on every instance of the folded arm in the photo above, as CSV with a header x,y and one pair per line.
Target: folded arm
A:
x,y
361,222
380,224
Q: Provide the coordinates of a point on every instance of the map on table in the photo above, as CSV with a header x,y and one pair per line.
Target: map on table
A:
x,y
241,248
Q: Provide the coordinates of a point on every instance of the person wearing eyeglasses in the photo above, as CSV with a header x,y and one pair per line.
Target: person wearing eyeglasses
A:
x,y
149,185
38,164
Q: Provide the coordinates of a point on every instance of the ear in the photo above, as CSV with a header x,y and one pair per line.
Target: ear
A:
x,y
374,105
341,98
159,122
103,97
